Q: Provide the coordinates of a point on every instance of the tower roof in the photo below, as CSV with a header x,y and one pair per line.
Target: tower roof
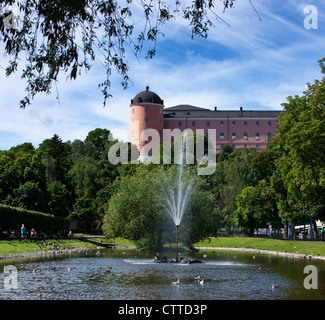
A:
x,y
147,97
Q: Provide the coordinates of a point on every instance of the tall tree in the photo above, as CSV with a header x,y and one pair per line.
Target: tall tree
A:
x,y
302,138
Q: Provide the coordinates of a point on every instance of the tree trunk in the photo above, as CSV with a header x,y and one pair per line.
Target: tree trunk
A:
x,y
285,230
315,230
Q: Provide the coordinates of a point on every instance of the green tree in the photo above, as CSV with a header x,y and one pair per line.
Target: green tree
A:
x,y
256,207
302,139
99,140
238,175
138,209
22,179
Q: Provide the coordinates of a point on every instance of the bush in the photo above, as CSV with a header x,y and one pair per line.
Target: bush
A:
x,y
13,218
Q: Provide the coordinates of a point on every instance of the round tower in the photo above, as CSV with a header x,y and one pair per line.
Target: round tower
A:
x,y
147,112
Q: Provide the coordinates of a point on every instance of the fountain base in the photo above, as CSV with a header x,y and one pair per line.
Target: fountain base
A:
x,y
181,260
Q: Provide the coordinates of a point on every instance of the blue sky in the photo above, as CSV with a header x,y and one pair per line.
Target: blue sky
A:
x,y
251,64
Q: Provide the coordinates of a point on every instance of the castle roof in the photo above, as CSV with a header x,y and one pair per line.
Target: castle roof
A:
x,y
147,97
188,111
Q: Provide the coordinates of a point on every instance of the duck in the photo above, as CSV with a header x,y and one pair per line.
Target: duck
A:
x,y
274,286
176,282
201,281
71,268
197,278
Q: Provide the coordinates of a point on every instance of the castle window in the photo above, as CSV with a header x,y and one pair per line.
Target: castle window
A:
x,y
146,132
160,110
222,136
179,123
146,119
245,123
132,110
221,123
166,123
257,123
245,145
245,136
193,123
233,136
233,123
269,123
208,123
257,136
147,109
269,134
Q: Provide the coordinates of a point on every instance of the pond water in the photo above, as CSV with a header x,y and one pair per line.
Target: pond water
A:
x,y
109,274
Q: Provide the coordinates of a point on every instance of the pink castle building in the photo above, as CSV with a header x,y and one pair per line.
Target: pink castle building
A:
x,y
238,128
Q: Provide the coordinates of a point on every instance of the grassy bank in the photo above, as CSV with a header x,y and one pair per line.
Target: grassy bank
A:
x,y
12,247
292,246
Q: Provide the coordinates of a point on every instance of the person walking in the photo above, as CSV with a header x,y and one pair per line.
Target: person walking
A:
x,y
32,233
23,231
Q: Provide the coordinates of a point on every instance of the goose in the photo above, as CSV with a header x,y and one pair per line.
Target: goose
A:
x,y
274,286
201,281
176,282
197,278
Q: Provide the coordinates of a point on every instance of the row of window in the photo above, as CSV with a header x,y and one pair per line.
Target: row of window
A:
x,y
147,110
245,145
257,123
245,136
221,137
221,145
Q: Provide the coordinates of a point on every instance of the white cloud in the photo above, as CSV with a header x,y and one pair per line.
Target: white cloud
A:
x,y
251,64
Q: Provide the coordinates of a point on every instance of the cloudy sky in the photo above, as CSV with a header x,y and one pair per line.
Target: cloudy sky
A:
x,y
244,62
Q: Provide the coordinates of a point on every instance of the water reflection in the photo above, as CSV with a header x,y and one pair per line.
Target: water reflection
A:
x,y
114,275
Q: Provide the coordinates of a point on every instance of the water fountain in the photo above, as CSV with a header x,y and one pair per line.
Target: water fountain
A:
x,y
178,193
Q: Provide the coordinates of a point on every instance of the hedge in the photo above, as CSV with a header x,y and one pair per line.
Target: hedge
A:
x,y
12,218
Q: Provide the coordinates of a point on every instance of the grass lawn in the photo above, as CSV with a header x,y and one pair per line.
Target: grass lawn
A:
x,y
11,247
292,246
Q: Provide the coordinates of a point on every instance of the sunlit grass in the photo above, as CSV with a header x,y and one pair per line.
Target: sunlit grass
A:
x,y
292,246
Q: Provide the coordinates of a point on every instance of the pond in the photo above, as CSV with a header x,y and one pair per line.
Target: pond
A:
x,y
130,275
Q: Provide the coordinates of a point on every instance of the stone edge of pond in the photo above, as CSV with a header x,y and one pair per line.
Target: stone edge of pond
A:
x,y
56,252
279,253
47,253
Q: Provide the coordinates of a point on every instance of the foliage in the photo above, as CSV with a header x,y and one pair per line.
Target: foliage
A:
x,y
137,210
256,207
13,218
64,36
302,141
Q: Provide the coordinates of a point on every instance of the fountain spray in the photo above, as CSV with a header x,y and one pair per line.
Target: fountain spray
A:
x,y
177,243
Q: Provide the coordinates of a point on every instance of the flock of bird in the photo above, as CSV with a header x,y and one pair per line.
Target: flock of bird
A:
x,y
177,282
198,279
58,245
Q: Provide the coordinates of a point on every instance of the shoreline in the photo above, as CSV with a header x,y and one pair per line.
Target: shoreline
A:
x,y
82,250
47,253
57,253
263,251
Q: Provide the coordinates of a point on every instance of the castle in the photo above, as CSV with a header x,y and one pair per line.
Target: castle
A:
x,y
238,128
